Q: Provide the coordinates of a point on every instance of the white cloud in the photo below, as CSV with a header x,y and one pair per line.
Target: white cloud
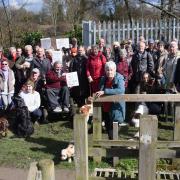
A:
x,y
30,5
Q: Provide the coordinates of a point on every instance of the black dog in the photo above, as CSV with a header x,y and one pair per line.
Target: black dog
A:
x,y
23,124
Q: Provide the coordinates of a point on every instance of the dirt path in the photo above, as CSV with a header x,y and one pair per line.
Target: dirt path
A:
x,y
21,174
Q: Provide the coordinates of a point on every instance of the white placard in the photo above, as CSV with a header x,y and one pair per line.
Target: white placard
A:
x,y
46,43
56,56
72,79
63,42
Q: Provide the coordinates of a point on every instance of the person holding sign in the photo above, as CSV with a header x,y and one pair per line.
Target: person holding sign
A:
x,y
57,90
78,64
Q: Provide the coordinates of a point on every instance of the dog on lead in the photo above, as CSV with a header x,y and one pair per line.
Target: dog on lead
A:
x,y
4,124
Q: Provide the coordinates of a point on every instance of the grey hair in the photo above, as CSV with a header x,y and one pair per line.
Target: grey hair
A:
x,y
95,47
110,64
56,62
28,47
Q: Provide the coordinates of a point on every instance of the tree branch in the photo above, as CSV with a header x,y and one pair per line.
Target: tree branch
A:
x,y
158,7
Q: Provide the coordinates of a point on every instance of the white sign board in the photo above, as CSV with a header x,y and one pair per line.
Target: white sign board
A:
x,y
63,42
72,79
56,56
46,43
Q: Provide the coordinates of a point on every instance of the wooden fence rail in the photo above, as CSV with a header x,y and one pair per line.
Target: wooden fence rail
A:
x,y
164,29
148,147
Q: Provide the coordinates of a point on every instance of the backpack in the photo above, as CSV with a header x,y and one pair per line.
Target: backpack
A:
x,y
23,124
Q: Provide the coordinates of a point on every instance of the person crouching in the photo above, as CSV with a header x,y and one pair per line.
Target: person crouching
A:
x,y
112,84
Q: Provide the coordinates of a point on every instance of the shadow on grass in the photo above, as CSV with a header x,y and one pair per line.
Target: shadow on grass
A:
x,y
51,146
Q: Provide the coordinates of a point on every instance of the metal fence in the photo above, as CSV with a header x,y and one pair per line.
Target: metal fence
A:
x,y
163,29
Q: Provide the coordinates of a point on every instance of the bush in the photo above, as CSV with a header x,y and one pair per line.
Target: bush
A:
x,y
31,38
76,32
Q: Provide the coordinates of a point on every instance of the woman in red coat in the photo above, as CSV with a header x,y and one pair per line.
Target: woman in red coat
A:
x,y
95,68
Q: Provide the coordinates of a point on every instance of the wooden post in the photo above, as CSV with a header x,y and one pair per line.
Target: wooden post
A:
x,y
81,147
115,137
97,128
147,147
176,162
32,171
46,166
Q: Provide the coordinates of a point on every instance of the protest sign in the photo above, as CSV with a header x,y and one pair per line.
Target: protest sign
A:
x,y
56,56
72,79
62,42
46,43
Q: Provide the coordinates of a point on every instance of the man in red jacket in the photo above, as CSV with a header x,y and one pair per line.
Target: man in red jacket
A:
x,y
57,90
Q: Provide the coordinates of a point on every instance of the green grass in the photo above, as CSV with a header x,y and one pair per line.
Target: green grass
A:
x,y
48,140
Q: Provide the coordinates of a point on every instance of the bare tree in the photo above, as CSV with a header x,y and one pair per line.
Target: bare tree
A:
x,y
8,22
54,9
161,7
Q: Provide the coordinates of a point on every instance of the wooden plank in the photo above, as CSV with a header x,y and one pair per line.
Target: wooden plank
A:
x,y
177,122
168,144
137,30
115,137
167,153
176,162
81,147
174,28
126,143
104,30
113,152
140,98
114,31
117,143
123,29
178,29
109,32
152,28
147,29
147,153
119,31
97,128
99,30
142,26
169,31
128,29
156,29
132,28
94,32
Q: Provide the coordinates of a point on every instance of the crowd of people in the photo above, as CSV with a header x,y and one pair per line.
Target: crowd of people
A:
x,y
123,67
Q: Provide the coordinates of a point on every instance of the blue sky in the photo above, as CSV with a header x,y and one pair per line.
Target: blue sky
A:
x,y
31,5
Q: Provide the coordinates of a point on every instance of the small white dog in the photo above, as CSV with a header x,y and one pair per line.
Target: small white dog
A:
x,y
68,153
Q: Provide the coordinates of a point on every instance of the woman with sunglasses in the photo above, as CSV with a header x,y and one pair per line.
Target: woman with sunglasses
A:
x,y
7,82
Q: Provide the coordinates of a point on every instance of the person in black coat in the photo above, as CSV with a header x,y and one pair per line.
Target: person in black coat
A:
x,y
142,62
81,92
177,75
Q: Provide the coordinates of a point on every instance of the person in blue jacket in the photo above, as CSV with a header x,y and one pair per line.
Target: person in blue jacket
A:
x,y
111,84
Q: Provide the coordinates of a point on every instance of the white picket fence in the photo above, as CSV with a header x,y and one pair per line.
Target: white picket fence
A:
x,y
163,29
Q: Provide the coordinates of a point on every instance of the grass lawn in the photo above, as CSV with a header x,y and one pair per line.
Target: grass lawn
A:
x,y
48,140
